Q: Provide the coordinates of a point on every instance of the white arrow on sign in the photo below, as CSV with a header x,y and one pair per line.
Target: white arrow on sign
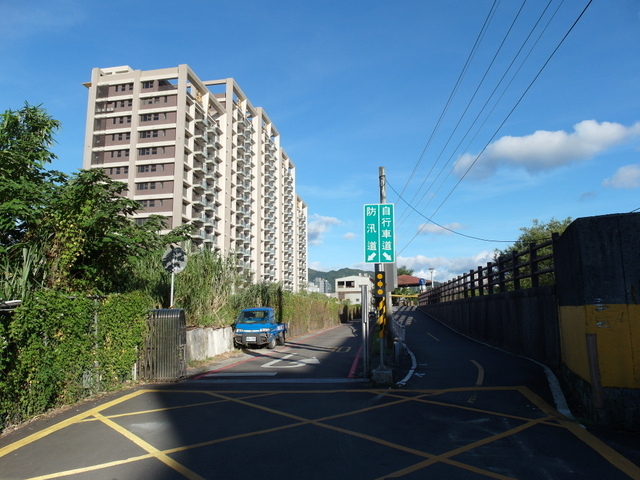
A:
x,y
293,364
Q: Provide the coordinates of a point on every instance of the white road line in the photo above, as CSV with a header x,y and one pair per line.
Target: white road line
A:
x,y
275,380
479,381
404,381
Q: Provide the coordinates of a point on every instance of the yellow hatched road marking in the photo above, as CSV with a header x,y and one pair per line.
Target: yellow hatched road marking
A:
x,y
163,457
445,457
92,468
621,462
65,423
551,418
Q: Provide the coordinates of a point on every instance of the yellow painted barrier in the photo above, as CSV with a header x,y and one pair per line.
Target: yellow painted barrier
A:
x,y
616,329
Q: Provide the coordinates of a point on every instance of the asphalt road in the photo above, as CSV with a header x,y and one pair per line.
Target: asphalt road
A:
x,y
462,411
328,357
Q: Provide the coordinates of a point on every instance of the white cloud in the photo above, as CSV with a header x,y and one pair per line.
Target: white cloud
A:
x,y
318,226
316,266
444,268
625,177
350,236
429,227
545,150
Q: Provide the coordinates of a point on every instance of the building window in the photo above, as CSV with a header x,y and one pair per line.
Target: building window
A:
x,y
149,186
147,84
151,203
152,134
150,168
148,117
119,153
154,100
149,151
121,136
118,170
121,120
124,87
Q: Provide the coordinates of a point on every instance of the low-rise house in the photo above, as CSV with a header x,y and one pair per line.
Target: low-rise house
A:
x,y
348,288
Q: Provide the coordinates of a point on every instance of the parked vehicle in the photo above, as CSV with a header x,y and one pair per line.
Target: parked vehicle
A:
x,y
255,327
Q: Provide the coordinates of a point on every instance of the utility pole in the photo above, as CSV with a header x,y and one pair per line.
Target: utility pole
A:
x,y
382,302
380,250
383,185
390,275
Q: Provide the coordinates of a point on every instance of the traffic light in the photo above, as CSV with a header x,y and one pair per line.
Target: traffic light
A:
x,y
379,284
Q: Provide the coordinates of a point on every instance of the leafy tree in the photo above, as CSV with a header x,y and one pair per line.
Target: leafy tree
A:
x,y
25,185
403,270
92,239
25,188
538,233
65,232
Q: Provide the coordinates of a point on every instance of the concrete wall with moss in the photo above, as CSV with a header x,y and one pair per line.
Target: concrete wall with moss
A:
x,y
598,290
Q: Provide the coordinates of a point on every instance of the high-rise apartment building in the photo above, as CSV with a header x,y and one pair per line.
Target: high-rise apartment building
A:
x,y
198,152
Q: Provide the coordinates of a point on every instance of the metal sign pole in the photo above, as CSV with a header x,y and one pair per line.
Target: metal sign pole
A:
x,y
365,328
174,261
382,177
173,276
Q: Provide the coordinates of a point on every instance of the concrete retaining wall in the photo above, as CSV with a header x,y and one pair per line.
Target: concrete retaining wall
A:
x,y
203,343
598,284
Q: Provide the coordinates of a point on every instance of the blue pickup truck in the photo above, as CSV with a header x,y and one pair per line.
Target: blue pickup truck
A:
x,y
255,327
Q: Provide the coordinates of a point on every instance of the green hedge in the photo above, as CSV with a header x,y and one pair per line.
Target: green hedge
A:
x,y
61,349
58,349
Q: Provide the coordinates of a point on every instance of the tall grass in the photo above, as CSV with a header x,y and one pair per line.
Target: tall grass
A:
x,y
204,287
212,292
23,270
309,312
150,278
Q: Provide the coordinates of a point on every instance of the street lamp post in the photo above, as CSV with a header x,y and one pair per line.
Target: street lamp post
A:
x,y
431,269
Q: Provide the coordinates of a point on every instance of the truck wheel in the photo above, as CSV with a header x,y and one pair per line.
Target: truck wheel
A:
x,y
281,338
272,343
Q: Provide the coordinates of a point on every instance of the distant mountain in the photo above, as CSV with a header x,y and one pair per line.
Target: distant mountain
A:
x,y
333,274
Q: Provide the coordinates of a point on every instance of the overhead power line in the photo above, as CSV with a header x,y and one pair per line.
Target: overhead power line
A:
x,y
453,93
516,104
491,96
493,136
441,226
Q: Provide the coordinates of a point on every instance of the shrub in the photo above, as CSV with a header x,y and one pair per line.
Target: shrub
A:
x,y
52,334
121,332
60,349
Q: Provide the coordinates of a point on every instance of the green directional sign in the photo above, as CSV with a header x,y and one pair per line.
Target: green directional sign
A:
x,y
379,243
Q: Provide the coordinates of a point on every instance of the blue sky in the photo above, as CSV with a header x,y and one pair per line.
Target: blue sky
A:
x,y
482,115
